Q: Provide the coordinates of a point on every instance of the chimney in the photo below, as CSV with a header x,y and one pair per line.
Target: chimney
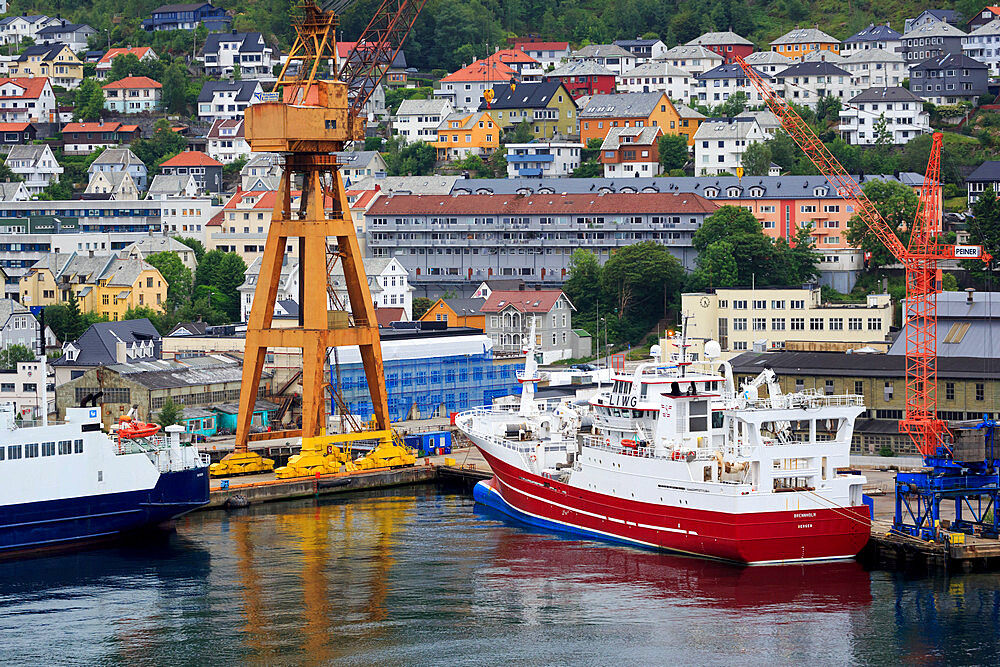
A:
x,y
969,291
90,253
121,354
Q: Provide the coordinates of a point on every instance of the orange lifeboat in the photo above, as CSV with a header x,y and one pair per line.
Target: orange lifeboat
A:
x,y
129,429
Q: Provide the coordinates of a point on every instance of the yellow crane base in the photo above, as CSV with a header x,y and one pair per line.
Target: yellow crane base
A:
x,y
384,456
310,462
241,463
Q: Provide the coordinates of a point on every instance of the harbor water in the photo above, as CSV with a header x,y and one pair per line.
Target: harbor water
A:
x,y
418,577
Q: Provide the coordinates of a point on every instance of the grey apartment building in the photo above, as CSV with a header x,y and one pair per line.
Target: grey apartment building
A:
x,y
456,238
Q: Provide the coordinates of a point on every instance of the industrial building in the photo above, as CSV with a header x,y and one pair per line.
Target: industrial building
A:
x,y
428,373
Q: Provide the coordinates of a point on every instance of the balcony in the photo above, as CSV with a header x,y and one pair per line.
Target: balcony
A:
x,y
540,157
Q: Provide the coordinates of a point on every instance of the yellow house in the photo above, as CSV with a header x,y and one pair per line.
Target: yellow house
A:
x,y
55,61
547,106
463,134
800,42
105,284
653,109
457,313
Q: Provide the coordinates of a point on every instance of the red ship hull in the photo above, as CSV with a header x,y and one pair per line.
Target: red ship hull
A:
x,y
748,538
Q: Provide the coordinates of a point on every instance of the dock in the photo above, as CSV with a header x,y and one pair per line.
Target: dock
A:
x,y
461,469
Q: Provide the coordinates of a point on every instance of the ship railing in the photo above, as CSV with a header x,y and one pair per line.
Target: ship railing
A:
x,y
604,443
808,399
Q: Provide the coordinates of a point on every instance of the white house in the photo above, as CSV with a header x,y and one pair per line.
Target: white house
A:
x,y
15,28
806,82
902,111
361,164
74,35
983,44
765,118
388,282
133,94
261,172
117,184
103,66
121,159
693,58
644,50
26,100
36,164
657,75
719,144
768,62
226,141
227,99
714,87
188,216
548,54
464,88
172,186
224,52
19,327
14,192
542,158
873,37
417,120
608,56
872,68
23,388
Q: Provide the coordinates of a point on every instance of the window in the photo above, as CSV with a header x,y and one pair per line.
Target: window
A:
x,y
740,305
77,447
800,384
836,324
65,446
739,324
760,324
828,388
778,305
854,323
874,324
13,452
48,449
798,324
859,387
760,305
949,391
798,305
980,391
887,391
778,323
815,323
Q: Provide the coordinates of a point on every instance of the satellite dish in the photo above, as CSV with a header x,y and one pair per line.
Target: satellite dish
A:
x,y
654,351
751,394
713,350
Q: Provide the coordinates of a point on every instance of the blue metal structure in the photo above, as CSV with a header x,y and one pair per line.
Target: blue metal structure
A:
x,y
973,486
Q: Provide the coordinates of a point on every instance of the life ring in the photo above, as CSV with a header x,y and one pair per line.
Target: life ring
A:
x,y
607,441
532,458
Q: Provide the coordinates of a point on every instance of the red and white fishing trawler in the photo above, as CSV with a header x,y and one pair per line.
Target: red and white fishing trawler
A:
x,y
679,460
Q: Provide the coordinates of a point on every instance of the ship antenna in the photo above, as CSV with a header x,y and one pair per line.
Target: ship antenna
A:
x,y
684,319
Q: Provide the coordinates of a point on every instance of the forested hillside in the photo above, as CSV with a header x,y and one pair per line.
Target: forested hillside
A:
x,y
450,32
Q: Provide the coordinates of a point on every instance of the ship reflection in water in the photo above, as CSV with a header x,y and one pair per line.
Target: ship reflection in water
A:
x,y
416,577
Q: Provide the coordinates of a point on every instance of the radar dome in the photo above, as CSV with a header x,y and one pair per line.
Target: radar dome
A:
x,y
712,349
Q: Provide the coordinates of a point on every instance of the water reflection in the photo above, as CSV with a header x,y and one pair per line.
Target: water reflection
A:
x,y
415,577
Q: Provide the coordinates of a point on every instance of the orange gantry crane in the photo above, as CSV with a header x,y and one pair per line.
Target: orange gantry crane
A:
x,y
919,259
307,119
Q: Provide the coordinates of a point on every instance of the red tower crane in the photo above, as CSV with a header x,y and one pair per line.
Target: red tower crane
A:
x,y
919,259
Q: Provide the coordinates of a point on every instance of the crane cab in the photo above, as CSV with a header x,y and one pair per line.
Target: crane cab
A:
x,y
311,117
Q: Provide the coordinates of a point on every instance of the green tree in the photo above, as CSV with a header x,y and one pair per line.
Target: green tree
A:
x,y
75,323
237,72
584,277
673,150
520,133
784,152
753,252
194,244
170,413
716,267
640,278
734,105
984,230
221,273
178,276
163,143
588,170
421,305
757,159
8,176
416,159
173,95
828,109
88,101
882,136
897,204
12,355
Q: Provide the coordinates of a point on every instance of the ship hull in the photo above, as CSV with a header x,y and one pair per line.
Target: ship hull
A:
x,y
54,524
754,538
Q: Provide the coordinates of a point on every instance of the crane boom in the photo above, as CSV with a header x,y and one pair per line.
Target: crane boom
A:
x,y
920,260
376,49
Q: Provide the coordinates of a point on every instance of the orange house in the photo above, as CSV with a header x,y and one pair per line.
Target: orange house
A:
x,y
802,41
463,134
655,109
457,313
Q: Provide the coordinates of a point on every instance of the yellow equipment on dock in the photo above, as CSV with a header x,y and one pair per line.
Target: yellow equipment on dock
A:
x,y
307,120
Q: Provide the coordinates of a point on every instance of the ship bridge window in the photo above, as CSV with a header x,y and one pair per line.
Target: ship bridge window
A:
x,y
717,418
31,450
698,416
13,452
48,449
65,446
645,388
1,453
77,446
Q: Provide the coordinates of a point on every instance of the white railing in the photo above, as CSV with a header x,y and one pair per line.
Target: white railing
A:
x,y
604,443
809,399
